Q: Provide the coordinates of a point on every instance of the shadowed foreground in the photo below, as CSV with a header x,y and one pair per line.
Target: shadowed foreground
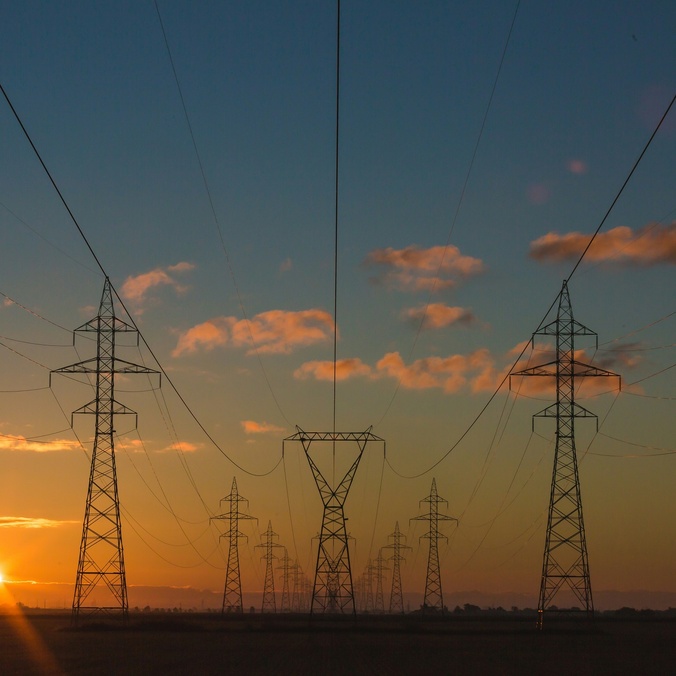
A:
x,y
206,644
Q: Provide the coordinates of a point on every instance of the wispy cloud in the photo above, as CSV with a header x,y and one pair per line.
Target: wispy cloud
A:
x,y
652,244
136,288
439,315
181,447
323,370
253,427
20,443
274,332
286,265
415,269
31,522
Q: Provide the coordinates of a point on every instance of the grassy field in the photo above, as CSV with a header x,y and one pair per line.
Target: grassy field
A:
x,y
45,643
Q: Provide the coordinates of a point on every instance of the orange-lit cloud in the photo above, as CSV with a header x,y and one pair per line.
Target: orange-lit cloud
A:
x,y
274,332
650,245
439,315
31,522
181,447
286,265
20,443
415,269
323,370
449,374
136,287
253,427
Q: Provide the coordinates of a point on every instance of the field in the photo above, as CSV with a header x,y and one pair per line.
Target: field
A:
x,y
45,643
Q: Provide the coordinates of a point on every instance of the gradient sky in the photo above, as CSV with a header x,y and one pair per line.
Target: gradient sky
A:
x,y
581,89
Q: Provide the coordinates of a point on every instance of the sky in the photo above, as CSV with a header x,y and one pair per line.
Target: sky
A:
x,y
465,199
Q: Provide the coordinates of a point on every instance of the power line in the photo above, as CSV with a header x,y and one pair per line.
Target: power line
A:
x,y
540,325
122,304
460,201
215,216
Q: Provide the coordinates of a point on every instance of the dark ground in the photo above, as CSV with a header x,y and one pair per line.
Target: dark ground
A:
x,y
44,643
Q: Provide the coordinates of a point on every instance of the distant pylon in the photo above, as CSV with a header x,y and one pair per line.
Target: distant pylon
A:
x,y
333,591
101,561
396,595
232,594
565,558
379,602
369,574
285,606
269,603
434,599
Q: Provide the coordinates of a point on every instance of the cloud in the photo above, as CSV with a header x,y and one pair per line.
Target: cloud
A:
x,y
480,371
31,522
135,288
253,427
439,315
650,245
286,265
415,269
181,447
323,370
20,443
449,374
274,332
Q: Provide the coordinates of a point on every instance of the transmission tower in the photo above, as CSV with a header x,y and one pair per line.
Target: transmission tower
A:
x,y
101,561
232,594
269,603
397,544
333,591
565,562
285,568
369,574
434,600
379,603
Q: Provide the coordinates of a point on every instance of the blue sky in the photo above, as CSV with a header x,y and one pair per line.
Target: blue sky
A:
x,y
580,91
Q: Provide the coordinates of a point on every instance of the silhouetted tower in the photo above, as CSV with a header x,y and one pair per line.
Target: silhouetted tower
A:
x,y
269,603
333,591
565,561
379,602
286,596
434,599
101,562
397,544
232,594
369,574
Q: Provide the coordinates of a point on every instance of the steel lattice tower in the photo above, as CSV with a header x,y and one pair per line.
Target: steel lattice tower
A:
x,y
101,561
379,603
232,594
333,591
285,568
565,562
369,574
396,595
269,603
434,599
